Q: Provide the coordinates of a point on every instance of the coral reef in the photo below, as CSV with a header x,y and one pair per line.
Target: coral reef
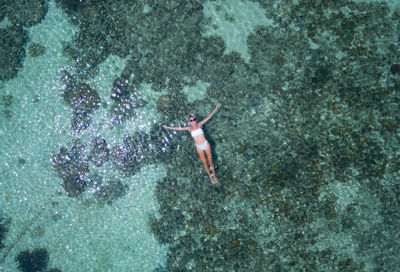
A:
x,y
99,153
8,114
107,193
3,230
133,153
12,52
71,6
35,261
126,101
7,100
173,102
298,149
73,168
312,117
26,13
83,100
2,10
36,50
140,149
395,68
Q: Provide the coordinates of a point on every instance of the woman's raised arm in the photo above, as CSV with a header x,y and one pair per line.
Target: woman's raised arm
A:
x,y
209,116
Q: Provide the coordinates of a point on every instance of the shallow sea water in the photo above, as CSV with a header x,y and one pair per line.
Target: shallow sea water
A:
x,y
279,205
80,238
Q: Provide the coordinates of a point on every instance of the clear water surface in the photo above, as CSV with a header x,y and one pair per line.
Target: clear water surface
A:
x,y
306,144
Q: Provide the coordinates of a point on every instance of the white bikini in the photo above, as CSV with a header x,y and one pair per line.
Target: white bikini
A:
x,y
197,132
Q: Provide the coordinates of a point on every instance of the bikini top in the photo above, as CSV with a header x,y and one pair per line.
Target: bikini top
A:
x,y
196,132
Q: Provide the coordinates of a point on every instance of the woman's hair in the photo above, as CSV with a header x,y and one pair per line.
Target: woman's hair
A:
x,y
192,115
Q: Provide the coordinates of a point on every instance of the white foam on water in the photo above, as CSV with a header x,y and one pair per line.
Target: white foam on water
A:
x,y
78,237
233,21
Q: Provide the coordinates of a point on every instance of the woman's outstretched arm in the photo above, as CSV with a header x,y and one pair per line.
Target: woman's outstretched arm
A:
x,y
209,116
176,128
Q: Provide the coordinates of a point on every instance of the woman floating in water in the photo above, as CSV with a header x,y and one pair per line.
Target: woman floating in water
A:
x,y
201,143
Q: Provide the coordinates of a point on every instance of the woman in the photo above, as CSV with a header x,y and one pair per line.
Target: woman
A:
x,y
203,147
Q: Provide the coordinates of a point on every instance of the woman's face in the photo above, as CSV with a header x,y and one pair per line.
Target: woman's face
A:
x,y
192,120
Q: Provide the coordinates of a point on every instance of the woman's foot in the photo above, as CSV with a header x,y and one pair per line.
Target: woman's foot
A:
x,y
214,180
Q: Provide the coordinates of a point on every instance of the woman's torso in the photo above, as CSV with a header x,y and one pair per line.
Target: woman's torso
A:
x,y
199,138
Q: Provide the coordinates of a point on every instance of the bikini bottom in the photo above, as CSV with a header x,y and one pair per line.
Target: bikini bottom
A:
x,y
202,146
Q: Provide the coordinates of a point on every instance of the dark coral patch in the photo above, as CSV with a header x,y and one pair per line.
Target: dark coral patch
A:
x,y
12,52
99,152
2,11
71,6
26,13
7,99
107,193
125,98
82,98
140,149
36,50
395,69
73,168
84,101
3,230
35,261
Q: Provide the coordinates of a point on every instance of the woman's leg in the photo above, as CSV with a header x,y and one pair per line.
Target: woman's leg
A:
x,y
209,157
203,159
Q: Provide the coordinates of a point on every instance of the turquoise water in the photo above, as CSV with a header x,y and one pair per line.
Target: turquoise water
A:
x,y
306,144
